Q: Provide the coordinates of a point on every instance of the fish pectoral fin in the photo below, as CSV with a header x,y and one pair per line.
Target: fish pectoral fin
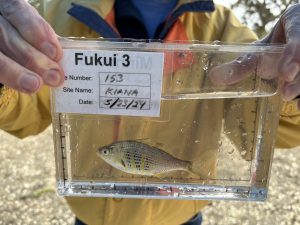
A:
x,y
123,163
196,169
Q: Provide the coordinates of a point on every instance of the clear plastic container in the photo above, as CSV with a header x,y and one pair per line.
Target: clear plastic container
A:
x,y
209,141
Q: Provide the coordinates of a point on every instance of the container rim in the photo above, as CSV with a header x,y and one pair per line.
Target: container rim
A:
x,y
161,45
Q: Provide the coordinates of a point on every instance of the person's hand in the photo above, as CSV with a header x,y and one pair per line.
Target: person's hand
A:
x,y
286,31
29,49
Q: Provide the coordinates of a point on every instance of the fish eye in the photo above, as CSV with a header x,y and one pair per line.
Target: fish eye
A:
x,y
105,151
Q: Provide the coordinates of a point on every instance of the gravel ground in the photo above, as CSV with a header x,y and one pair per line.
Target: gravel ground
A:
x,y
27,196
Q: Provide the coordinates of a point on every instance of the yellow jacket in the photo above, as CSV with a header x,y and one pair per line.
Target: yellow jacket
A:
x,y
23,115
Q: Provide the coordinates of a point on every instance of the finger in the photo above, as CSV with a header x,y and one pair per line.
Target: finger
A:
x,y
17,77
13,46
234,71
291,90
31,26
289,63
287,27
261,63
290,22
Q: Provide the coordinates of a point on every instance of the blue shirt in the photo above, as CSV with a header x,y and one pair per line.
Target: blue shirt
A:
x,y
154,12
142,18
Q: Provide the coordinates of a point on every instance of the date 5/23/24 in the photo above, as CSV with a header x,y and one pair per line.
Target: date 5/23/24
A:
x,y
126,103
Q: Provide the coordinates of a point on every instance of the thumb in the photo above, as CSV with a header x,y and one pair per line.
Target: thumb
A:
x,y
233,72
260,62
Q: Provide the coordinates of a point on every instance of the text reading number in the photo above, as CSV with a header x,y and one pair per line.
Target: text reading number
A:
x,y
114,78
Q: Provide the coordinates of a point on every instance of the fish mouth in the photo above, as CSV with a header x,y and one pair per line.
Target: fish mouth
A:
x,y
98,154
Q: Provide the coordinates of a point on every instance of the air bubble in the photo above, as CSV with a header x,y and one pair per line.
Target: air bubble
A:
x,y
179,82
216,42
205,61
243,153
230,151
249,56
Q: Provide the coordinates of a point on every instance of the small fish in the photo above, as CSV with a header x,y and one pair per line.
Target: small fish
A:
x,y
139,158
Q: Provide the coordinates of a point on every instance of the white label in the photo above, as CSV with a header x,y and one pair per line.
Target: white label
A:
x,y
111,83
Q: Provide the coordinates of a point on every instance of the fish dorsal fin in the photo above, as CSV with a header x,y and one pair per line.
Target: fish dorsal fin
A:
x,y
150,142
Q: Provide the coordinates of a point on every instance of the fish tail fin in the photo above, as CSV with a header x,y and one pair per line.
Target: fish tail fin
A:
x,y
196,168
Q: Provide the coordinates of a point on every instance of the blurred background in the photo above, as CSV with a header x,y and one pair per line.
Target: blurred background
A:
x,y
27,168
259,15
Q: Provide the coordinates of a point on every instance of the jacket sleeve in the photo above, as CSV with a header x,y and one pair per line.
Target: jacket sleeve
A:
x,y
288,133
22,115
229,29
